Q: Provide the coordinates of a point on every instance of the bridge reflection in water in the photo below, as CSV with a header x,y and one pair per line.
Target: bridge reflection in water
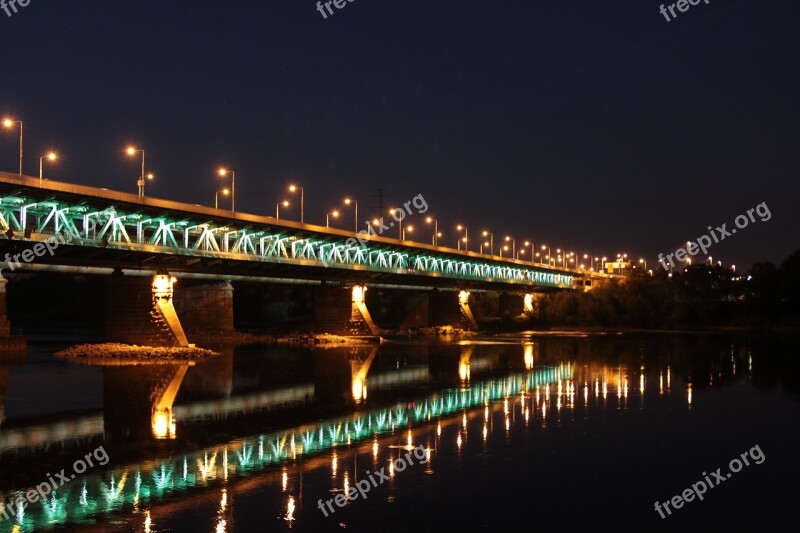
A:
x,y
130,487
151,403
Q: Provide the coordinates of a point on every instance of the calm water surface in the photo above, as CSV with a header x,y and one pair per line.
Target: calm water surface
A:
x,y
543,432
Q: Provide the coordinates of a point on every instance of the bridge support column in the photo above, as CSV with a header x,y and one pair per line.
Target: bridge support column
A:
x,y
206,308
342,311
511,304
140,311
531,303
450,308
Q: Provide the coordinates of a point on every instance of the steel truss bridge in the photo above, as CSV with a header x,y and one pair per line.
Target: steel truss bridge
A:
x,y
108,229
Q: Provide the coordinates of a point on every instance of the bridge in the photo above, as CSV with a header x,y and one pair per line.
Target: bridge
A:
x,y
55,226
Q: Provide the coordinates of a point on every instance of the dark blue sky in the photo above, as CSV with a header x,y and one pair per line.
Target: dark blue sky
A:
x,y
595,126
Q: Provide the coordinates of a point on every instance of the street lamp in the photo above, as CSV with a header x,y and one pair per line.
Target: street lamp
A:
x,y
293,188
133,151
335,214
50,157
466,237
491,241
504,247
284,203
525,245
434,239
225,192
224,172
348,201
513,246
409,229
546,247
8,123
482,245
400,221
643,261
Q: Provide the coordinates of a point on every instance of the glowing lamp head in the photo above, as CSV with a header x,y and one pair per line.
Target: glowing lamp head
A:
x,y
463,297
347,201
150,176
131,150
226,192
459,227
335,214
223,171
292,188
285,203
8,123
52,156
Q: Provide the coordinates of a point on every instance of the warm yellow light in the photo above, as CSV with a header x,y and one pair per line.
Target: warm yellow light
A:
x,y
150,176
409,228
459,227
505,247
375,221
347,201
131,150
223,171
8,123
335,214
463,297
485,233
285,203
52,156
429,220
358,294
226,191
292,188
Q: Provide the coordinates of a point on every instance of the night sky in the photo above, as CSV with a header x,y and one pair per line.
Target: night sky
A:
x,y
594,126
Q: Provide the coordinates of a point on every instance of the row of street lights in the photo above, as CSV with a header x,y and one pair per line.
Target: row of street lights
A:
x,y
570,259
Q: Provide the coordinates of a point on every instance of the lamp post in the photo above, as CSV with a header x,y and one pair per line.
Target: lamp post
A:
x,y
335,214
524,247
293,188
434,239
399,222
491,241
224,172
644,261
504,247
50,157
8,123
466,237
482,245
348,201
513,246
409,229
284,203
224,192
133,151
545,247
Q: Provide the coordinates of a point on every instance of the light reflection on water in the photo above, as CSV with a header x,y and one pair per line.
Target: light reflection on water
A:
x,y
494,388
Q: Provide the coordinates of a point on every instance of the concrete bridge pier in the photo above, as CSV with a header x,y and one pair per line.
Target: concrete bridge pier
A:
x,y
451,308
206,308
139,310
511,304
342,311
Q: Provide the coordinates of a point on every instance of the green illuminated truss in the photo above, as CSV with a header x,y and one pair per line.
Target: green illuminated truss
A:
x,y
195,235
